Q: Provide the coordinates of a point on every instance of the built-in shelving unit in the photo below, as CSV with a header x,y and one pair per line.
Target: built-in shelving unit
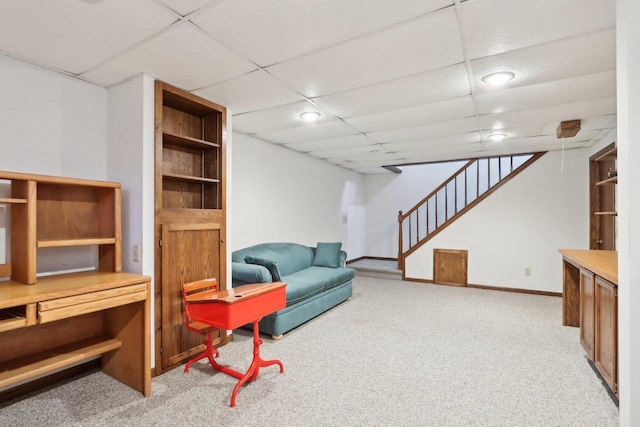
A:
x,y
603,179
190,213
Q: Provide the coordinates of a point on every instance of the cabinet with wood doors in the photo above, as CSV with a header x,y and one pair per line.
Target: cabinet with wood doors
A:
x,y
590,289
52,321
190,213
603,177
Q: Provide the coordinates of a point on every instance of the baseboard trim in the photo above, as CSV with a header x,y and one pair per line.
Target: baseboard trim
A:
x,y
371,257
516,290
489,288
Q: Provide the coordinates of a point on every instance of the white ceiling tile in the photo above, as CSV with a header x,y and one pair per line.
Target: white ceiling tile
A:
x,y
81,37
516,132
308,132
423,88
553,113
277,118
586,54
456,151
268,32
586,124
185,7
589,123
450,109
358,140
580,88
497,26
252,91
413,47
441,141
426,131
373,151
368,170
183,55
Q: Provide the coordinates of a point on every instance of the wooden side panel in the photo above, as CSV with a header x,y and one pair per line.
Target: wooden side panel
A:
x,y
190,252
450,267
23,232
131,363
570,294
606,332
587,307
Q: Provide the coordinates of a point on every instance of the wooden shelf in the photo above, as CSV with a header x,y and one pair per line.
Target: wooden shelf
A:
x,y
9,200
612,180
46,362
608,155
193,179
606,213
59,243
187,141
16,317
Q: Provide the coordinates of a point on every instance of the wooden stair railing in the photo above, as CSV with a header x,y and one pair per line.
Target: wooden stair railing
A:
x,y
467,187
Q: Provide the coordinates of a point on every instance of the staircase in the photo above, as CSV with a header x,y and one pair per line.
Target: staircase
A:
x,y
467,187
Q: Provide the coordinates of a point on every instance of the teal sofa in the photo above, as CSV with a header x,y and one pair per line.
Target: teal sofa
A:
x,y
316,279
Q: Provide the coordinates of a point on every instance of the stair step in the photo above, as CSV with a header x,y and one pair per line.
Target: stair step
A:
x,y
381,269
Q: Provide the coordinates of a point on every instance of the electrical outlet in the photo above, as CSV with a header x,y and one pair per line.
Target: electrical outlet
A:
x,y
527,271
136,253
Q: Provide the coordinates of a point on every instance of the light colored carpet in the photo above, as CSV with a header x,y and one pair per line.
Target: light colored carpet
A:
x,y
397,354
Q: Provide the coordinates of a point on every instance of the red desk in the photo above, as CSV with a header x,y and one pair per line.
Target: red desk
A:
x,y
232,308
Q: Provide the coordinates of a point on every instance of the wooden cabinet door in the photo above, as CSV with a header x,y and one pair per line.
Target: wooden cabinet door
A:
x,y
606,332
587,309
450,267
189,252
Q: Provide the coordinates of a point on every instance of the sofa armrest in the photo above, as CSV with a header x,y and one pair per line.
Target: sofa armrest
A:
x,y
242,274
343,258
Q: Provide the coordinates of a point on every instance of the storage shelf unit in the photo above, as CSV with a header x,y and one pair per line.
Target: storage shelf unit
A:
x,y
52,322
190,213
602,198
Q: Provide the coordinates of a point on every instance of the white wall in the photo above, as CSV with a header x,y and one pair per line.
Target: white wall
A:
x,y
51,124
130,162
628,70
280,195
386,194
522,225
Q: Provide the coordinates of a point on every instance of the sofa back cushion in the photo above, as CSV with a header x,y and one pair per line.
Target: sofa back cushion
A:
x,y
327,255
290,257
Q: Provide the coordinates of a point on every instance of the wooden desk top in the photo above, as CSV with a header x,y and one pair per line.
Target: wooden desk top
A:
x,y
234,295
602,263
14,293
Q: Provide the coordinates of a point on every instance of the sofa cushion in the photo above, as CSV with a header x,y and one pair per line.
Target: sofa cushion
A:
x,y
313,280
291,257
270,264
327,255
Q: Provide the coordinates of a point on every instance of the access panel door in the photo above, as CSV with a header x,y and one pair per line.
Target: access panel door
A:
x,y
450,267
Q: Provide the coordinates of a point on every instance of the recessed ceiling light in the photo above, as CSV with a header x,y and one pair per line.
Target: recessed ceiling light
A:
x,y
497,136
310,116
496,79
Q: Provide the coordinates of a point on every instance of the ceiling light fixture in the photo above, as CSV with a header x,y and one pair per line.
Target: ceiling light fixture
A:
x,y
497,136
499,78
310,116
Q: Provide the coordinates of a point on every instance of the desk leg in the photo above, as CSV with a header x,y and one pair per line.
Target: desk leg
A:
x,y
256,364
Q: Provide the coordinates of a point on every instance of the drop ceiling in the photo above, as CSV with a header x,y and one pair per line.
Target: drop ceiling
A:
x,y
395,81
